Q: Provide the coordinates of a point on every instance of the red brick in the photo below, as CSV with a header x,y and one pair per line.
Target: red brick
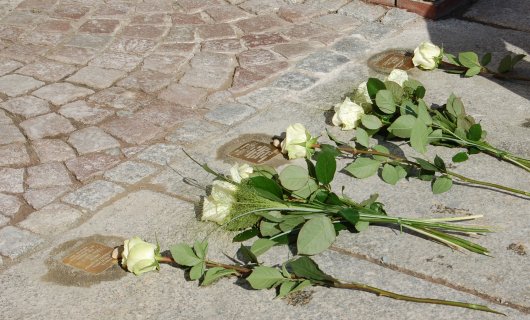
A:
x,y
260,24
183,19
143,31
100,26
70,11
431,10
257,40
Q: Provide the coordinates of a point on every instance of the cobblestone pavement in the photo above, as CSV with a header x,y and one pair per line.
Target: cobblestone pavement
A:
x,y
96,96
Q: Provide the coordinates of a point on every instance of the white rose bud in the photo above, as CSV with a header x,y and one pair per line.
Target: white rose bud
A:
x,y
139,256
347,114
361,94
217,206
240,172
427,56
398,76
298,142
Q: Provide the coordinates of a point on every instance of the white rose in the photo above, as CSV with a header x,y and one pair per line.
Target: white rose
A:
x,y
347,114
217,206
361,94
398,76
139,256
427,56
240,172
297,141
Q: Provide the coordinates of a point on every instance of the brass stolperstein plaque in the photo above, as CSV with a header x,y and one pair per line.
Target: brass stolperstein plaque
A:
x,y
255,152
93,257
389,60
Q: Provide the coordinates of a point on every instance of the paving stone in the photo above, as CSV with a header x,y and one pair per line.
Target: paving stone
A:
x,y
180,33
49,150
176,184
226,13
223,46
146,80
8,65
120,98
120,61
361,10
26,106
52,219
160,153
305,31
9,205
130,172
4,119
91,41
24,52
398,17
38,198
96,77
154,6
80,111
510,14
197,5
132,45
72,55
230,114
256,57
184,95
164,114
9,133
36,5
14,242
47,70
61,93
213,60
338,22
181,19
264,39
132,130
216,31
264,97
92,139
192,131
260,24
93,195
352,46
323,61
164,64
294,81
154,19
3,221
14,155
54,25
47,125
11,180
143,31
296,49
70,11
262,6
116,10
99,26
22,18
10,33
330,5
181,49
51,174
208,78
92,165
45,38
299,13
243,79
15,85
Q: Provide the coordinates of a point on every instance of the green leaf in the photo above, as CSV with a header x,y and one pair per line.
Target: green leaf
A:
x,y
486,59
264,277
286,288
440,164
419,137
316,235
382,149
423,112
424,164
402,172
266,188
460,157
402,126
385,101
396,89
442,184
473,71
351,215
184,255
291,223
269,229
271,216
362,138
374,85
200,249
362,225
390,174
325,167
247,255
455,106
261,246
307,190
468,59
363,167
245,235
371,122
505,65
435,136
305,267
475,132
452,59
197,271
213,274
294,177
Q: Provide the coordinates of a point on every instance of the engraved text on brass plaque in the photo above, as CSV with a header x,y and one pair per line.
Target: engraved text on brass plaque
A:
x,y
255,152
93,257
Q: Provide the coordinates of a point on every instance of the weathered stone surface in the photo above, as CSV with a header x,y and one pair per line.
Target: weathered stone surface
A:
x,y
192,131
260,24
129,172
99,26
72,55
120,98
216,31
373,31
300,12
146,80
256,57
164,64
8,65
133,130
132,45
96,77
294,81
264,97
143,31
362,10
88,166
323,61
14,242
296,49
47,125
9,133
352,46
46,175
45,38
9,205
24,52
180,33
184,95
49,150
70,11
164,114
93,195
90,41
230,114
116,60
263,39
61,93
15,85
52,219
3,221
151,19
177,184
26,106
4,119
398,17
12,180
13,155
180,49
56,25
507,13
80,111
223,46
208,78
38,198
213,60
226,13
338,22
159,153
92,139
305,31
